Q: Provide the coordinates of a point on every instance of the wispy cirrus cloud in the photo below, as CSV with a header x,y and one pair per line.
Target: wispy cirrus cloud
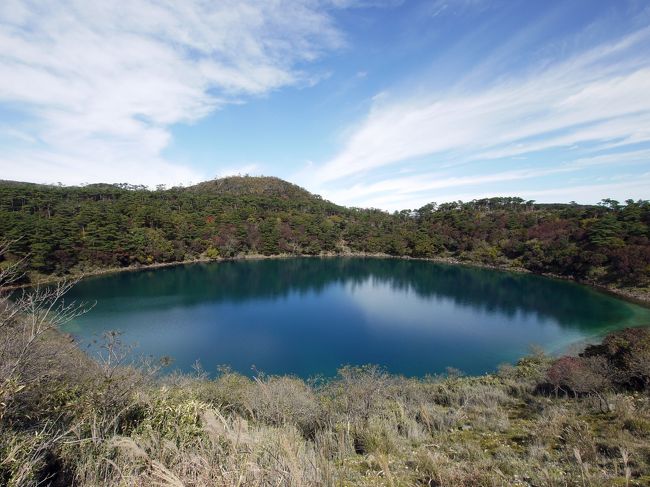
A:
x,y
97,85
593,100
450,7
621,188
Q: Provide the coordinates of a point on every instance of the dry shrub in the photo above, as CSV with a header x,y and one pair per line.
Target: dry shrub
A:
x,y
435,418
285,400
579,375
577,435
377,435
358,392
230,391
438,469
627,353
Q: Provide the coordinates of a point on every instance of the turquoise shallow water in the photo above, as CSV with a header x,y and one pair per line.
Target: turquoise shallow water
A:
x,y
310,316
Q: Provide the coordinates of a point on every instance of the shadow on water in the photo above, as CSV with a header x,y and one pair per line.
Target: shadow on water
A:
x,y
486,290
310,316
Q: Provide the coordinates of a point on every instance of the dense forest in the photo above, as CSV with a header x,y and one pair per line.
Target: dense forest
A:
x,y
72,230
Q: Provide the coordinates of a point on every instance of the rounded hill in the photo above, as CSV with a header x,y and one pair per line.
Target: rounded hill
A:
x,y
252,185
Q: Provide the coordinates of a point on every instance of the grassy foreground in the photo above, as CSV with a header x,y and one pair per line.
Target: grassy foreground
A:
x,y
71,420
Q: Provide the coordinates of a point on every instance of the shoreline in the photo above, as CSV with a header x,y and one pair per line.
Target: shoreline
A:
x,y
632,295
571,349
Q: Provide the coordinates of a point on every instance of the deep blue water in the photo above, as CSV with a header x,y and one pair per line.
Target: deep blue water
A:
x,y
310,316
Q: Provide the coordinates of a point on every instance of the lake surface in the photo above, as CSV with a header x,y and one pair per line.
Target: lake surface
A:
x,y
310,316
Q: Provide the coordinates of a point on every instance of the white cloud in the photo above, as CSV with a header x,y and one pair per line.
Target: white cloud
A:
x,y
434,8
415,191
597,98
101,82
630,186
399,188
620,188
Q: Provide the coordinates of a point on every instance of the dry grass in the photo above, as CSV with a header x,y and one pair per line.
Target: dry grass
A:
x,y
365,427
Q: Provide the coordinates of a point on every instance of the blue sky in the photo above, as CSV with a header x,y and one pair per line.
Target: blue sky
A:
x,y
373,103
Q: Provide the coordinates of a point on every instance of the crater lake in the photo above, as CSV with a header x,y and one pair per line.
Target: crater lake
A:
x,y
310,316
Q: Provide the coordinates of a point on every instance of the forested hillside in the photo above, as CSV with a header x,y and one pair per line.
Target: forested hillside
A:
x,y
81,229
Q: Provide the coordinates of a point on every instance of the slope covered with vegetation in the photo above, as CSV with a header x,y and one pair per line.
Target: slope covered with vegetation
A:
x,y
71,230
68,420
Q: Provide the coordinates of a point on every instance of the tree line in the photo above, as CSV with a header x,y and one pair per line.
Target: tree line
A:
x,y
70,230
